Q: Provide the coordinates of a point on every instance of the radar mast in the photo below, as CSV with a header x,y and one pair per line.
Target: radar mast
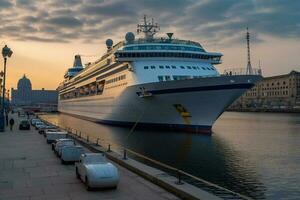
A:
x,y
149,28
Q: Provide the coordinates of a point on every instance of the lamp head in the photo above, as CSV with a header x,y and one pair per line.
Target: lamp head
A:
x,y
6,52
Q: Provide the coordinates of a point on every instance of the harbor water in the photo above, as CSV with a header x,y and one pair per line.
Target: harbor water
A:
x,y
255,154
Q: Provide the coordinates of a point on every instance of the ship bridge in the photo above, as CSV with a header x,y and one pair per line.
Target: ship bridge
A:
x,y
164,48
174,50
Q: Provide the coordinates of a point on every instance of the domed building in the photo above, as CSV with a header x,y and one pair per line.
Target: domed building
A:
x,y
25,96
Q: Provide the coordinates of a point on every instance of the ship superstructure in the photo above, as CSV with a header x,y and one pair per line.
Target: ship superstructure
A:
x,y
160,82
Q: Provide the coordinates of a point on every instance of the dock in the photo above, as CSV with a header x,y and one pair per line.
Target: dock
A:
x,y
29,170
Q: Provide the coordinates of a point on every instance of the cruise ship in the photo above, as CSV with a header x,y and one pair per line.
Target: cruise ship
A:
x,y
152,82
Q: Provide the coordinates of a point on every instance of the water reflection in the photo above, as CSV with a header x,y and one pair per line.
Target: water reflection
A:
x,y
238,156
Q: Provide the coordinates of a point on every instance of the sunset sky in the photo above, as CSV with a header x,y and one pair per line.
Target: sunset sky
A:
x,y
45,35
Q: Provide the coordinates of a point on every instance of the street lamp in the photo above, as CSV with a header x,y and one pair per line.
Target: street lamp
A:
x,y
6,53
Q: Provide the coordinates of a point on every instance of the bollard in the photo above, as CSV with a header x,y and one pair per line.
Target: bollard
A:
x,y
125,155
87,138
108,150
179,182
97,143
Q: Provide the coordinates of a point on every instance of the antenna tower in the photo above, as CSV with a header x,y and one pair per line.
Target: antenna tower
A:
x,y
259,68
249,67
149,28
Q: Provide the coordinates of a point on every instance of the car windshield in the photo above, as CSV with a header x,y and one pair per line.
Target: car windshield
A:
x,y
24,122
93,159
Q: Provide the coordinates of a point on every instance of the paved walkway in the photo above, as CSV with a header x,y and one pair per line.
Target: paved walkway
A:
x,y
30,170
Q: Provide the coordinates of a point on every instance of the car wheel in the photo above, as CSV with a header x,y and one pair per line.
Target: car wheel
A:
x,y
87,184
77,174
63,162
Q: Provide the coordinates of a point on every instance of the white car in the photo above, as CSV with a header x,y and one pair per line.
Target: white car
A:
x,y
62,143
50,130
34,120
71,153
44,128
52,136
39,125
96,172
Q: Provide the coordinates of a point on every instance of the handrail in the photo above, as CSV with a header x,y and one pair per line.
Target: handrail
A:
x,y
186,174
241,71
153,161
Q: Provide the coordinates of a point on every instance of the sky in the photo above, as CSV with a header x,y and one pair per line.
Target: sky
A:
x,y
45,35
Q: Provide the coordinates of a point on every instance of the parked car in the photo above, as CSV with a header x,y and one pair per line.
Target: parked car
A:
x,y
46,127
96,172
61,143
39,125
24,125
71,153
50,130
52,136
34,120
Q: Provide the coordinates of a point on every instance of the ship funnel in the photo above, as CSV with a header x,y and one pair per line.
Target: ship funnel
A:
x,y
77,61
170,35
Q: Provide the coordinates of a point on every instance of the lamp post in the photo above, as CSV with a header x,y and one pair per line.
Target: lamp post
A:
x,y
6,53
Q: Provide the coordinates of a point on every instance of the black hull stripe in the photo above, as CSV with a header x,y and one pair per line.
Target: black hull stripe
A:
x,y
202,88
204,129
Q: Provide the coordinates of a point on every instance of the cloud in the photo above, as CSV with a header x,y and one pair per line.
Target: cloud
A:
x,y
217,21
5,4
64,22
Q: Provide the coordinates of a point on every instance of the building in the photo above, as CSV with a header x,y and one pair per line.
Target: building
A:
x,y
25,96
276,92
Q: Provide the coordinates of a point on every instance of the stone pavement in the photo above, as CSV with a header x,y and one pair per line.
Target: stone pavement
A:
x,y
29,170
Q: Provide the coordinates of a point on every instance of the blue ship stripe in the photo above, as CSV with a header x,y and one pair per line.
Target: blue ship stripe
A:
x,y
201,88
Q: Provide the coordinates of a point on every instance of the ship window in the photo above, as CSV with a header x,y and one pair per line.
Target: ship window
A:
x,y
161,67
194,67
203,68
208,68
168,67
173,67
152,67
100,87
168,78
189,67
182,67
160,78
146,67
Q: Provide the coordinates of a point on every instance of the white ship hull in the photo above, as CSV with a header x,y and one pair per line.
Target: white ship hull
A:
x,y
189,105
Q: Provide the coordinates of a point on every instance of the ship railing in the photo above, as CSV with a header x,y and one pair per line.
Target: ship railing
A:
x,y
165,40
241,71
182,176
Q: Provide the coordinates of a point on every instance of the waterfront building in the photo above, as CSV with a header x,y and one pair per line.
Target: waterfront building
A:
x,y
276,92
25,96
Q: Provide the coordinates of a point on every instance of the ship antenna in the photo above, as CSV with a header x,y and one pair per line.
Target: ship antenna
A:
x,y
249,67
148,28
259,68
